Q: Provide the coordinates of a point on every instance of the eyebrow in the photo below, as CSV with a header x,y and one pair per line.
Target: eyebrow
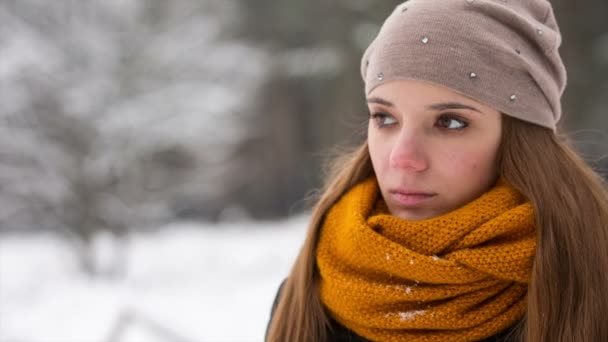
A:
x,y
436,106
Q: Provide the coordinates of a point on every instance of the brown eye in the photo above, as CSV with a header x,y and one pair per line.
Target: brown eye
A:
x,y
383,119
451,122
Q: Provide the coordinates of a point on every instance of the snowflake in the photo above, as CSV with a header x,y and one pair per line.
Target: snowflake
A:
x,y
407,315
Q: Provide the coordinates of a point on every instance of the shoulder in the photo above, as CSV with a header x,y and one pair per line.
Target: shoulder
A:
x,y
277,297
275,302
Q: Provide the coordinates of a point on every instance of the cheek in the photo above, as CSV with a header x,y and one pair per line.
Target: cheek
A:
x,y
469,168
378,160
379,153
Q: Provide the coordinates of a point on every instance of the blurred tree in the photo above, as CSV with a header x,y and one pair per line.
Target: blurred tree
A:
x,y
112,112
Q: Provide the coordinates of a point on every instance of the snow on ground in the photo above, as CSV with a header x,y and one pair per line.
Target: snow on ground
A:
x,y
188,283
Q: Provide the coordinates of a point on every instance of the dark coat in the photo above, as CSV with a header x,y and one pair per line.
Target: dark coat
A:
x,y
339,333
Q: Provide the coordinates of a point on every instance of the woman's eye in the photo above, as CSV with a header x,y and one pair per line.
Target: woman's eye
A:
x,y
451,122
383,119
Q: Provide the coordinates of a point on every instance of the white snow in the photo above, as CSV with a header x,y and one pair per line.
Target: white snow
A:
x,y
187,282
407,315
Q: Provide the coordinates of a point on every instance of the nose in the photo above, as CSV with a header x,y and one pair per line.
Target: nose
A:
x,y
408,152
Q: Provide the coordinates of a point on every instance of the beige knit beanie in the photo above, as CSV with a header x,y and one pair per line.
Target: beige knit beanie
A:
x,y
503,53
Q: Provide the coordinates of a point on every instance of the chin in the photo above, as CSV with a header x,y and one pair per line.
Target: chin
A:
x,y
413,215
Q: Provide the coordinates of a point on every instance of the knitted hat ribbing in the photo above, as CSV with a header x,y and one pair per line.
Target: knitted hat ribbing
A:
x,y
503,53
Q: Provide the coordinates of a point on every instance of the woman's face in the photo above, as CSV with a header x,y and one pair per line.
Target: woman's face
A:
x,y
432,149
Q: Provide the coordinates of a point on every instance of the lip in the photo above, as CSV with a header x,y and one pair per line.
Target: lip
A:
x,y
411,199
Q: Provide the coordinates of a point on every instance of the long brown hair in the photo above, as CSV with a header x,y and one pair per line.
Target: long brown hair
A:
x,y
568,291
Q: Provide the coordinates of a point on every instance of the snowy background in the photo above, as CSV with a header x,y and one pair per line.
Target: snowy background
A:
x,y
155,156
188,282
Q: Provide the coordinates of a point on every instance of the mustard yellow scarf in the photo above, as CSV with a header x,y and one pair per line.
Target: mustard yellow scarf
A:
x,y
462,276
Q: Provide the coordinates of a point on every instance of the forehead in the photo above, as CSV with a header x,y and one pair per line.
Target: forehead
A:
x,y
412,92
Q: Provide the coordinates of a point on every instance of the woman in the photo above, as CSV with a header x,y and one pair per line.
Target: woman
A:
x,y
464,216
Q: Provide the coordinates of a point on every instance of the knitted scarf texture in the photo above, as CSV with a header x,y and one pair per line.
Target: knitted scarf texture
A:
x,y
461,276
